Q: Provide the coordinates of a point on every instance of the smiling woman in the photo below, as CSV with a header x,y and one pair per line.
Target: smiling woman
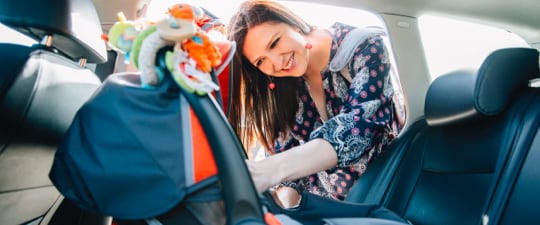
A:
x,y
305,55
309,92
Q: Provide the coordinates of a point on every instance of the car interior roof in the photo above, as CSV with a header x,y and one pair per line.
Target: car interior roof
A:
x,y
520,17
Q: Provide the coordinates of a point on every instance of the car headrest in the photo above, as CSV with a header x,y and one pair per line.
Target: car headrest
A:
x,y
465,94
73,24
46,93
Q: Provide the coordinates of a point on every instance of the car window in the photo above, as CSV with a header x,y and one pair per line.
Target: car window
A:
x,y
11,36
451,44
309,11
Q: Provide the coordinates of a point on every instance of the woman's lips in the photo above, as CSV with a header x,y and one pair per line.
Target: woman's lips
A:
x,y
290,64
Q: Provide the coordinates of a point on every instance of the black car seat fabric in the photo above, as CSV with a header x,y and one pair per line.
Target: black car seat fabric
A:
x,y
36,110
375,183
515,196
42,87
452,159
521,206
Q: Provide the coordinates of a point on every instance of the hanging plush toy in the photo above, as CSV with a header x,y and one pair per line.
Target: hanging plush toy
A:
x,y
195,55
122,35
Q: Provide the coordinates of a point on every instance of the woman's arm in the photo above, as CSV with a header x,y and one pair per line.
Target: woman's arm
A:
x,y
301,161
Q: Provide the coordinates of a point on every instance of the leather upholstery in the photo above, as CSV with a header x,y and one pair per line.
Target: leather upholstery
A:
x,y
476,123
41,89
469,94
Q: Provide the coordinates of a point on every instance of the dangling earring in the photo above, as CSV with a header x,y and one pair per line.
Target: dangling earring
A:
x,y
271,85
308,45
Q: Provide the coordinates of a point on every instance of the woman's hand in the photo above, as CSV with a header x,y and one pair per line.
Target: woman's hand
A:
x,y
286,197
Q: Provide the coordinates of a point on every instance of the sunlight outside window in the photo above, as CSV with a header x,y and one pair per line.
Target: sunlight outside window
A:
x,y
451,44
311,12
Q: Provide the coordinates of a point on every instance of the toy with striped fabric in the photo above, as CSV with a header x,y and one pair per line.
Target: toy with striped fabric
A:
x,y
194,55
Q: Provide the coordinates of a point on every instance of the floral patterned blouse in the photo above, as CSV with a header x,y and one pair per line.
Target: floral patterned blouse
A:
x,y
361,116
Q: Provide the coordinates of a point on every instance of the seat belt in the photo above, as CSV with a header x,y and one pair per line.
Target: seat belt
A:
x,y
509,163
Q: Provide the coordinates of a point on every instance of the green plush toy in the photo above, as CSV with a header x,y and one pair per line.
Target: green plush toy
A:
x,y
138,41
123,33
194,56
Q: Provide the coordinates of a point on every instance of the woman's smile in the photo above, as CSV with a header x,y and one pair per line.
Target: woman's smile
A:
x,y
291,63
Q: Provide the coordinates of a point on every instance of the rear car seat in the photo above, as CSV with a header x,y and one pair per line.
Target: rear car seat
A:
x,y
520,204
444,168
42,87
515,198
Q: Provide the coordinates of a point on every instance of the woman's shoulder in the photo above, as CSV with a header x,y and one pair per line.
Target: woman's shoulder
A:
x,y
341,26
340,30
351,41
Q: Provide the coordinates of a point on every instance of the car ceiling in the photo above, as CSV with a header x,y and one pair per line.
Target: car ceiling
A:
x,y
519,16
108,10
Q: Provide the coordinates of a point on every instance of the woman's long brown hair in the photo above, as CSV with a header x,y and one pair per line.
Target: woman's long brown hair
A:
x,y
255,111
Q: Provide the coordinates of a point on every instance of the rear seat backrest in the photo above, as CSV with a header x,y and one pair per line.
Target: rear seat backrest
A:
x,y
520,204
515,200
42,88
47,93
516,197
449,168
501,89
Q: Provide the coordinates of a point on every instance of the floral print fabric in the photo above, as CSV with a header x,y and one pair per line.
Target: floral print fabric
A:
x,y
361,116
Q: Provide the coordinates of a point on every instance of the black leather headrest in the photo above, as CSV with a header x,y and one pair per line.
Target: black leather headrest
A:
x,y
74,24
46,94
465,94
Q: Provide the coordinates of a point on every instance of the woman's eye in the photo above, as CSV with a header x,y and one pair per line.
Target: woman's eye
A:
x,y
259,62
274,43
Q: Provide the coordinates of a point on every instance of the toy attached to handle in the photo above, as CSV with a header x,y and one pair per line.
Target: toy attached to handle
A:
x,y
194,55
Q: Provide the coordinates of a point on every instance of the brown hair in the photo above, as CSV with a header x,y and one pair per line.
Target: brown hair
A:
x,y
256,111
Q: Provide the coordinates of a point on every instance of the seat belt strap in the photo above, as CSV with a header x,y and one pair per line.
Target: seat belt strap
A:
x,y
509,164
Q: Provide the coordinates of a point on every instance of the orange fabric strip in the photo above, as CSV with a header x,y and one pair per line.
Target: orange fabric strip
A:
x,y
203,159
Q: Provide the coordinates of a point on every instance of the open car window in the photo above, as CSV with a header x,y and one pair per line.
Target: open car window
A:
x,y
311,12
450,44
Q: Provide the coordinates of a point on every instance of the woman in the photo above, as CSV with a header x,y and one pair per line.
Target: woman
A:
x,y
320,126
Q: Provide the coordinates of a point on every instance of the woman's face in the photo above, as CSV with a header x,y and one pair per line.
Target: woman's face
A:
x,y
277,49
